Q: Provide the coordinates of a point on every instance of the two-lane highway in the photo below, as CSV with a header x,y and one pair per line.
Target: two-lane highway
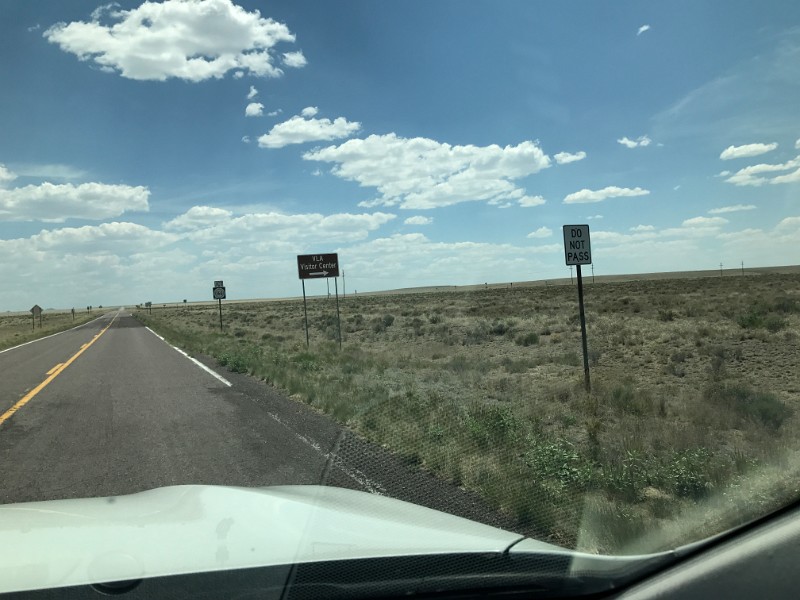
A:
x,y
110,408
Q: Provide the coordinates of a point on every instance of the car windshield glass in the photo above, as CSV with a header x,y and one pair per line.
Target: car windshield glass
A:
x,y
481,277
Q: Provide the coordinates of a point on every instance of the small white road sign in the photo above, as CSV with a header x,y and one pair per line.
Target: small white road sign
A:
x,y
577,246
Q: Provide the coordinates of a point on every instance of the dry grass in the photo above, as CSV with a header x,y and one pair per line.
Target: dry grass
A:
x,y
696,389
16,329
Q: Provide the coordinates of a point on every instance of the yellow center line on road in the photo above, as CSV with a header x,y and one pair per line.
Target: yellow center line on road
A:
x,y
52,374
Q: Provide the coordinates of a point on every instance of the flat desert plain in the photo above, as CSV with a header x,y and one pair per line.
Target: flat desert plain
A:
x,y
691,424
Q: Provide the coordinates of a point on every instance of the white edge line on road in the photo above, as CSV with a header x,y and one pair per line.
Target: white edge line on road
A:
x,y
51,335
194,360
352,473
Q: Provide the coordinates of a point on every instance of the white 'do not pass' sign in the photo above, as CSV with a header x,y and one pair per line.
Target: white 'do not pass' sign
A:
x,y
577,246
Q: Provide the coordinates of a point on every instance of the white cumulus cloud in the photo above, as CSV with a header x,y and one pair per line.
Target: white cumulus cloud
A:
x,y
729,209
309,111
421,173
206,223
298,130
6,175
563,158
192,40
612,191
529,201
747,150
56,203
541,233
198,217
418,220
639,142
640,228
294,60
704,222
252,93
429,262
754,175
789,223
642,29
254,109
105,236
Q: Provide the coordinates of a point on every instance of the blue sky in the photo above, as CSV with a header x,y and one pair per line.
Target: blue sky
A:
x,y
149,149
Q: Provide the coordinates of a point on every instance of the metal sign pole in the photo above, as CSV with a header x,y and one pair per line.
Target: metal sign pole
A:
x,y
587,382
220,314
338,316
305,309
33,321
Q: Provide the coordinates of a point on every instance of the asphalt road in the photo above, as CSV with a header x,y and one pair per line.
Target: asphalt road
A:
x,y
109,408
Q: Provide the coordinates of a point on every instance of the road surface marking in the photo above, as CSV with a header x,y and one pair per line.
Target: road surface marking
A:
x,y
51,335
332,459
55,372
50,372
194,360
335,460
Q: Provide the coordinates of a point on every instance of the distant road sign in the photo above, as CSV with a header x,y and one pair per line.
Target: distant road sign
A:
x,y
219,284
317,266
36,310
219,293
577,246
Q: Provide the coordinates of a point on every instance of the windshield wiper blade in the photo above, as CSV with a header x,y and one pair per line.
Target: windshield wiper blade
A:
x,y
540,575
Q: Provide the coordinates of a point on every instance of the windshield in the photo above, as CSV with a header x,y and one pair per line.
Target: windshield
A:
x,y
528,264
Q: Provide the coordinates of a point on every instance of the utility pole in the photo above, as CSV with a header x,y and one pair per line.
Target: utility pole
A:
x,y
720,269
344,286
592,272
742,268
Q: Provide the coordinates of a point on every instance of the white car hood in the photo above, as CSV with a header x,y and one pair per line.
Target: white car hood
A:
x,y
192,529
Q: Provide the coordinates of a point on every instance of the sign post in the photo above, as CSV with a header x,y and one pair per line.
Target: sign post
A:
x,y
578,251
318,266
36,311
338,317
219,294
